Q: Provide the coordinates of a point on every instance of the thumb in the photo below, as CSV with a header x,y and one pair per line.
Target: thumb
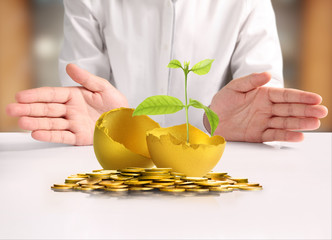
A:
x,y
86,79
250,82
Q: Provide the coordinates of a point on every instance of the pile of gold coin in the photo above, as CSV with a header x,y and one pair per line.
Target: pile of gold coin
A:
x,y
136,179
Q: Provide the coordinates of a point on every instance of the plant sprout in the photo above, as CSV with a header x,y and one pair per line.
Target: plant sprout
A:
x,y
163,104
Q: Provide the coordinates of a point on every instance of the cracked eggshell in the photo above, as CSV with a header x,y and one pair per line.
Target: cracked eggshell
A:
x,y
120,139
169,148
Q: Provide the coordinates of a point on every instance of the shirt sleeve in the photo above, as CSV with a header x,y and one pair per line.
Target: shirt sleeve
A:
x,y
83,42
258,48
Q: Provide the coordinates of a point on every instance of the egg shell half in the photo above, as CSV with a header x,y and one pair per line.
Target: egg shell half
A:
x,y
120,139
169,148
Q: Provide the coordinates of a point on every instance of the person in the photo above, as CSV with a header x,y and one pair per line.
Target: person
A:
x,y
115,54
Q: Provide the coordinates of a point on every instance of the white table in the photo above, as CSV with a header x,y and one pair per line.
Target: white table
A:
x,y
295,202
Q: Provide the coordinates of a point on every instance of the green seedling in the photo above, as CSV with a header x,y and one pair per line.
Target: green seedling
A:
x,y
163,104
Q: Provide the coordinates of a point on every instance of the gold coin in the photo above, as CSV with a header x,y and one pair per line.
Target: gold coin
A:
x,y
158,169
166,180
218,178
61,188
189,186
109,172
197,190
153,177
240,180
82,175
64,185
178,174
116,189
225,182
155,173
130,174
174,190
93,186
178,181
234,187
195,179
132,170
253,184
121,178
171,186
176,177
73,180
86,189
140,179
185,183
140,188
110,183
99,175
216,174
231,182
220,189
210,183
240,184
162,183
77,176
137,183
117,186
154,186
251,188
90,181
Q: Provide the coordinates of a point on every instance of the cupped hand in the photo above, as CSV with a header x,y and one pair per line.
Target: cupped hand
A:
x,y
250,112
66,114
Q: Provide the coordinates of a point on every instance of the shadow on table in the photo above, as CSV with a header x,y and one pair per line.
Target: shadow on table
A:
x,y
143,194
149,194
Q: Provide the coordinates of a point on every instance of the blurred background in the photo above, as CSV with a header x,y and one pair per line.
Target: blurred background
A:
x,y
31,35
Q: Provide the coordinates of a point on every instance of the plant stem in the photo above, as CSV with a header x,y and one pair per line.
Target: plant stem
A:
x,y
186,106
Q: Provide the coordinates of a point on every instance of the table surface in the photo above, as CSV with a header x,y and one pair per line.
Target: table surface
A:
x,y
294,204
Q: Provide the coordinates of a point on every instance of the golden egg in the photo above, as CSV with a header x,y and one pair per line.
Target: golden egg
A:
x,y
120,139
169,148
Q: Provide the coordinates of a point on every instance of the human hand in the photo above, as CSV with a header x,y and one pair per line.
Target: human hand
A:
x,y
66,114
253,113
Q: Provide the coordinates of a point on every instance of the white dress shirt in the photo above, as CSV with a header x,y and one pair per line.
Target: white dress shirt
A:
x,y
130,43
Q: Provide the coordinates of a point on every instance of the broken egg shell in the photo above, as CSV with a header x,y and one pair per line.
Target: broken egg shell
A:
x,y
169,148
120,139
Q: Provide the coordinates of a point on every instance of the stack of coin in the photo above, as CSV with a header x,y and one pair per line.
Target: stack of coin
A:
x,y
134,179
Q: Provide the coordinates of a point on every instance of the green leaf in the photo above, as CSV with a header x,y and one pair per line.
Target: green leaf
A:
x,y
203,67
160,104
211,115
174,64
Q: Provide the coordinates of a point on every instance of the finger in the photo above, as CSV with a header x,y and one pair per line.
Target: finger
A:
x,y
281,135
36,110
286,95
250,82
65,137
44,94
299,110
86,79
31,123
292,123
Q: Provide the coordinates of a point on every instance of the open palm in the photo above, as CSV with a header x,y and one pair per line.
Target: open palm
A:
x,y
253,113
66,114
